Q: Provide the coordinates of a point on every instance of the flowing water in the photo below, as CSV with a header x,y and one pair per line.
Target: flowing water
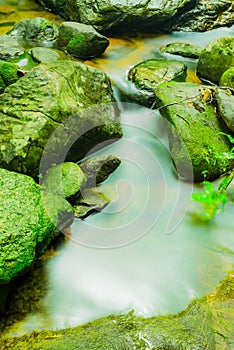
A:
x,y
143,251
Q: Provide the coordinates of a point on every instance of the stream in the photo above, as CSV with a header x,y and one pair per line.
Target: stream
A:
x,y
143,252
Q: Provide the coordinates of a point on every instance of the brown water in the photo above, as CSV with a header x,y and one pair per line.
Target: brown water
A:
x,y
143,251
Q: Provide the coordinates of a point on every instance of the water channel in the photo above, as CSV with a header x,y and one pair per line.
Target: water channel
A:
x,y
143,252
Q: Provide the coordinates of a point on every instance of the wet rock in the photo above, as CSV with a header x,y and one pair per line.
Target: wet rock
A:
x,y
65,107
44,55
182,49
195,141
206,323
225,104
36,29
117,16
97,169
27,224
147,75
227,78
63,179
92,199
81,40
9,47
216,58
9,74
202,16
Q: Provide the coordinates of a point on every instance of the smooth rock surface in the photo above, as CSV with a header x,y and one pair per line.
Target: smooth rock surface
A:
x,y
81,40
44,55
225,103
182,49
9,47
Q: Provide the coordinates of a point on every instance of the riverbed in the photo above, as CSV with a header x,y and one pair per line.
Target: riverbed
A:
x,y
143,252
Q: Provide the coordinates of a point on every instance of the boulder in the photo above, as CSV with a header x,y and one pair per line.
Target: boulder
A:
x,y
36,29
207,323
97,169
109,16
227,78
44,55
194,130
59,110
9,47
182,49
9,74
81,40
27,225
147,75
202,16
225,104
216,58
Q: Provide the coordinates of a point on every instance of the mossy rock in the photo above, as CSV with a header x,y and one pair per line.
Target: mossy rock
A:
x,y
147,75
182,49
207,323
66,106
216,58
44,55
9,74
227,78
194,128
27,225
225,104
81,40
9,47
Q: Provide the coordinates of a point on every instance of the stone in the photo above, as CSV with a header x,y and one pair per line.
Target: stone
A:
x,y
9,47
9,74
194,130
227,78
26,224
36,29
91,200
203,15
147,75
44,55
98,169
81,40
207,322
112,15
58,111
182,49
225,104
216,58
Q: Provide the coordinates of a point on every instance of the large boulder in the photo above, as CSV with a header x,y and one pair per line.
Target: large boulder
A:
x,y
109,16
26,224
81,40
204,15
66,106
194,128
225,105
147,75
118,16
207,323
216,58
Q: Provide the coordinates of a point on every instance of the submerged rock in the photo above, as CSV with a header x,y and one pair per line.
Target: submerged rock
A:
x,y
27,225
81,40
227,78
194,128
9,47
147,75
9,74
182,49
225,104
216,58
44,55
38,112
36,29
207,322
117,16
202,16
